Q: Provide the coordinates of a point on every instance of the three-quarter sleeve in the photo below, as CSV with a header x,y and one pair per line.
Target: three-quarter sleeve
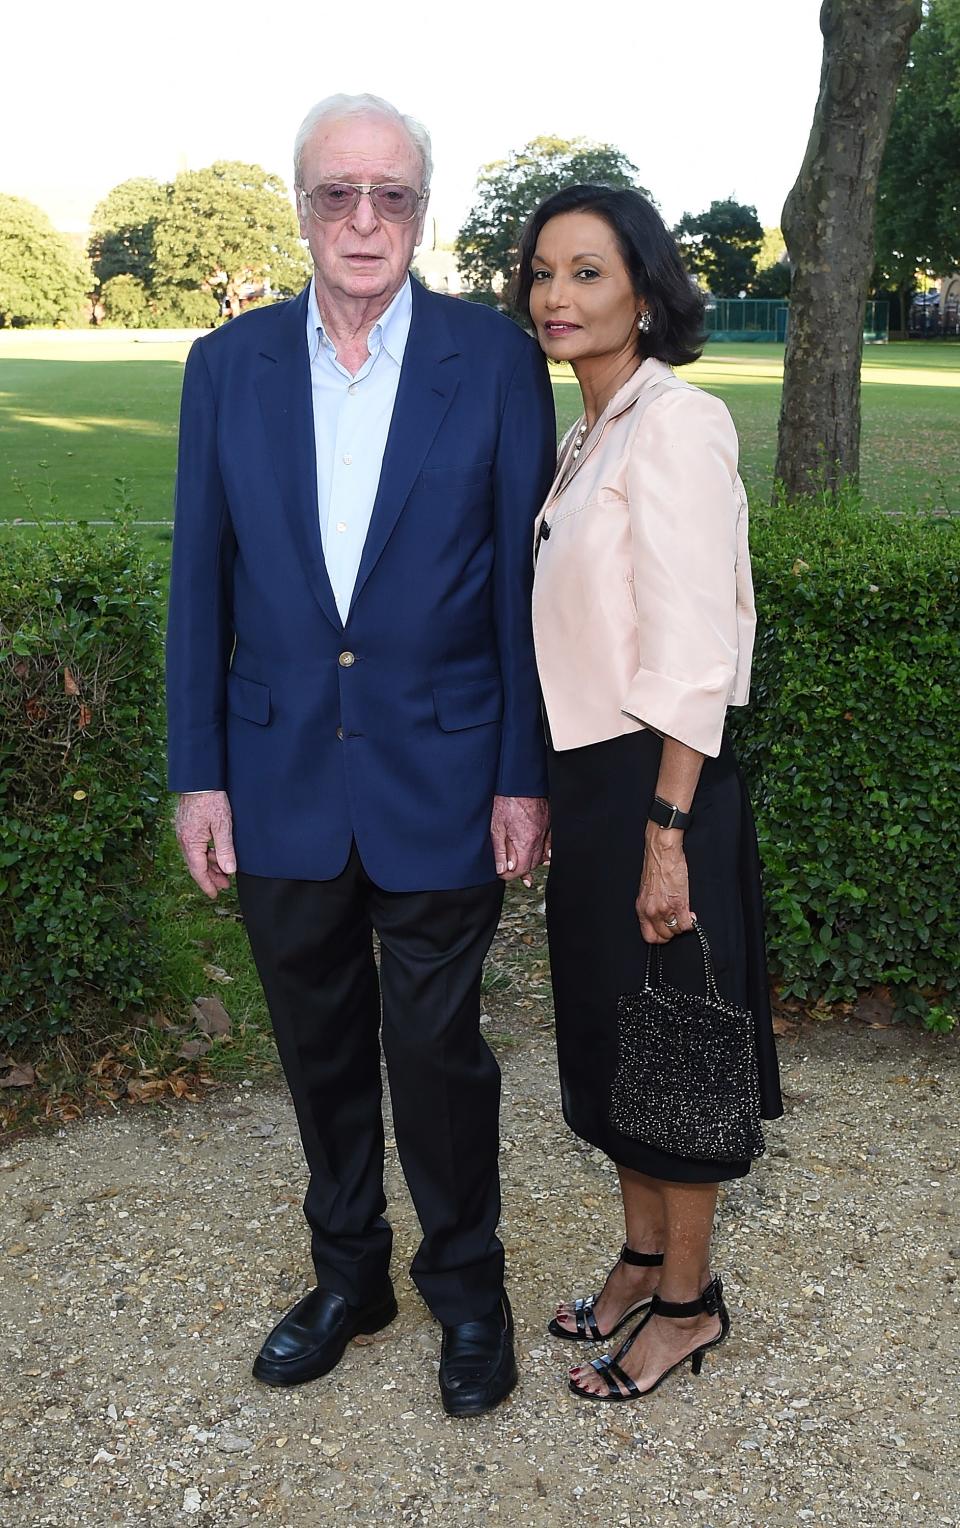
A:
x,y
683,519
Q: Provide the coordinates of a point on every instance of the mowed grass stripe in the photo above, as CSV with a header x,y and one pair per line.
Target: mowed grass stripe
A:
x,y
75,416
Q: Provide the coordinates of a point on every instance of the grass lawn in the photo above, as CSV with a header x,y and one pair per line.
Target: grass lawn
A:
x,y
76,414
911,414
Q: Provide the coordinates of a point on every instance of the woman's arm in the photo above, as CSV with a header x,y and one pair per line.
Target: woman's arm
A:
x,y
664,891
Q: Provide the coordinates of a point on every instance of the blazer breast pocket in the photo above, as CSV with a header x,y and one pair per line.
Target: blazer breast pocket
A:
x,y
449,479
247,698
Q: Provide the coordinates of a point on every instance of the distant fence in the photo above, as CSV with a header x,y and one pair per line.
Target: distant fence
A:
x,y
761,318
928,320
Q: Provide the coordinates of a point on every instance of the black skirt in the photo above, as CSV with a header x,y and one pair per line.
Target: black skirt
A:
x,y
599,800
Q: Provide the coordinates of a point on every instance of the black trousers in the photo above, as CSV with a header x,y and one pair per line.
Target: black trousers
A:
x,y
313,946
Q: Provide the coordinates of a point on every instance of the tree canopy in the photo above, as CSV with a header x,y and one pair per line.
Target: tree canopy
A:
x,y
184,248
772,276
918,198
43,280
721,245
123,230
225,225
510,189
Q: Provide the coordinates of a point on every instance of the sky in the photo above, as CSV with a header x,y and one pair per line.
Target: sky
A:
x,y
708,99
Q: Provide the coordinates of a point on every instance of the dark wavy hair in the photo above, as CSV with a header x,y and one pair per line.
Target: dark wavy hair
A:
x,y
651,256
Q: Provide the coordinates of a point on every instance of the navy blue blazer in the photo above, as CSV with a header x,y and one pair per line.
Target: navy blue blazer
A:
x,y
398,727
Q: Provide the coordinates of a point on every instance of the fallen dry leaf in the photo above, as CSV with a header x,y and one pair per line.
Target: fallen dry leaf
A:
x,y
141,1092
210,1016
875,1008
783,1027
70,686
84,717
20,1075
217,974
191,1050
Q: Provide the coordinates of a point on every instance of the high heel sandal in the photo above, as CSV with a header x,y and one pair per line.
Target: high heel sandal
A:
x,y
709,1303
587,1327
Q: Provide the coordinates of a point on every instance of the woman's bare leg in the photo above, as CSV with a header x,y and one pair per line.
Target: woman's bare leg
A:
x,y
688,1223
644,1219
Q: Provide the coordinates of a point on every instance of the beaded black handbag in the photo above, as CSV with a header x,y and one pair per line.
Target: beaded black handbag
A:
x,y
687,1081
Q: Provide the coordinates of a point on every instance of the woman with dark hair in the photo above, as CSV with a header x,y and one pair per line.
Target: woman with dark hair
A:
x,y
644,622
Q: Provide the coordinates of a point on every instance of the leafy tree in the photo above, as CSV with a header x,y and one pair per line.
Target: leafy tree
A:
x,y
772,276
918,196
184,307
721,246
43,280
772,281
828,223
510,189
773,250
126,303
226,225
124,227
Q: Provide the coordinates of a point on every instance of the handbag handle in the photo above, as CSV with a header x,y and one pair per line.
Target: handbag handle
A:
x,y
712,989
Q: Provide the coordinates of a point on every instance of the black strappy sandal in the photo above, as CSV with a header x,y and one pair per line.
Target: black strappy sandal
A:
x,y
587,1327
710,1302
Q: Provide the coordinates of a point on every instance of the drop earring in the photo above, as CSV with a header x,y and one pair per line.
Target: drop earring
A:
x,y
644,322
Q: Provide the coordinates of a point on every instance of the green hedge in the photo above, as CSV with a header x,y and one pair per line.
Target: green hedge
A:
x,y
851,746
81,789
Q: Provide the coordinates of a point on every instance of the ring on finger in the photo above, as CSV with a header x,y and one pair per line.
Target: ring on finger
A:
x,y
672,921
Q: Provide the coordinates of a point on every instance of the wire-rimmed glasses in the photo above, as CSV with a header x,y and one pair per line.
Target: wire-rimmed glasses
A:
x,y
330,201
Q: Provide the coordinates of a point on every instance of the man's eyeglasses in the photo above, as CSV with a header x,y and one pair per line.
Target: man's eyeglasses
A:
x,y
333,200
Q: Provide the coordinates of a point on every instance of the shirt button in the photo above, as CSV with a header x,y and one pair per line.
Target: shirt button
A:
x,y
347,460
346,660
340,733
352,388
341,525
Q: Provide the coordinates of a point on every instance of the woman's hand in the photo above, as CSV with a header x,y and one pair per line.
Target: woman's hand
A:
x,y
663,902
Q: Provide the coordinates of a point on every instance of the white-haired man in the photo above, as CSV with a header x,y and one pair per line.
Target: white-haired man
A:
x,y
355,725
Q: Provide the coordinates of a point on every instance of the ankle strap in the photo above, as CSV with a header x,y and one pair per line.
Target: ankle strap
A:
x,y
640,1259
708,1303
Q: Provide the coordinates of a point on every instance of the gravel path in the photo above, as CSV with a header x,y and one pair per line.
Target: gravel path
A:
x,y
144,1256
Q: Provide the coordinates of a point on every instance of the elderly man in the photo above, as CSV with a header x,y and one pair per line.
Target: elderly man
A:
x,y
355,722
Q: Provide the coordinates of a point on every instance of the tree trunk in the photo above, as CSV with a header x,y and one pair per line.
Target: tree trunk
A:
x,y
828,224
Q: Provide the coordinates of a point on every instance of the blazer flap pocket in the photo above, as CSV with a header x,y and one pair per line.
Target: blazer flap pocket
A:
x,y
247,698
468,705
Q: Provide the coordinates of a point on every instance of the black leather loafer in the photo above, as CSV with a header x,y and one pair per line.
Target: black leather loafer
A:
x,y
477,1366
311,1338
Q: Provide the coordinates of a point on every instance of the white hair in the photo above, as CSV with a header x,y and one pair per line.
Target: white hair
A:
x,y
335,107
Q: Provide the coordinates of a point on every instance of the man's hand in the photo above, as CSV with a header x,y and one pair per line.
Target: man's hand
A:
x,y
203,819
519,828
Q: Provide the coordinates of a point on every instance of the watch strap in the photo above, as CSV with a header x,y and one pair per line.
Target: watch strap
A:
x,y
667,814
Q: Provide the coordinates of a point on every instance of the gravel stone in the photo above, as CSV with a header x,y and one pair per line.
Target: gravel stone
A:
x,y
144,1257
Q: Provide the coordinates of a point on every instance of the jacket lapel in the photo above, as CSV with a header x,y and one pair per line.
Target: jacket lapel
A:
x,y
424,394
285,394
648,374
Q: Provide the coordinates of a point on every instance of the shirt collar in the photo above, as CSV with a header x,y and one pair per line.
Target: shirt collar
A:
x,y
389,332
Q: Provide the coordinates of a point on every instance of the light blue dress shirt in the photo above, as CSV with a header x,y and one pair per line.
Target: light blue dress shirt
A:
x,y
351,419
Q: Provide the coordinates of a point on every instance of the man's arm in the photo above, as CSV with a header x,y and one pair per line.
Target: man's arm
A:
x,y
200,637
526,456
